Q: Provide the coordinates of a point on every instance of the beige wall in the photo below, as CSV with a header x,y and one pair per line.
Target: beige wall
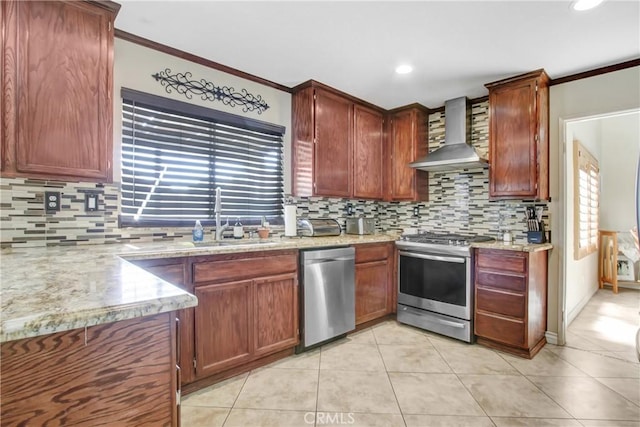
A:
x,y
134,65
606,93
620,149
581,278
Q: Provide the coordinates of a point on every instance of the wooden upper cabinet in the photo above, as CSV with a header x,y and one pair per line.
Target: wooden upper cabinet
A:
x,y
518,137
58,72
407,143
368,145
332,165
338,144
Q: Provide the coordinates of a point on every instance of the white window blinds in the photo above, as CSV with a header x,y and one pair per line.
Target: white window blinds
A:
x,y
175,154
586,201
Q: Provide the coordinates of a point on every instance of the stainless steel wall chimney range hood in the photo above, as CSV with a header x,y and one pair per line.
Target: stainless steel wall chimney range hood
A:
x,y
456,152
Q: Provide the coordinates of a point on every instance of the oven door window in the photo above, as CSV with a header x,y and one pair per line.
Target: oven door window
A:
x,y
432,279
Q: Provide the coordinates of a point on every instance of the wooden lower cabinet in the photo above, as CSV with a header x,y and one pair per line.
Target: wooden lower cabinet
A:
x,y
374,281
174,271
275,314
240,321
247,310
511,300
120,373
224,326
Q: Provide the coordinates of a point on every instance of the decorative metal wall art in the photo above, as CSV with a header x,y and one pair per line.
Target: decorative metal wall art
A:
x,y
207,91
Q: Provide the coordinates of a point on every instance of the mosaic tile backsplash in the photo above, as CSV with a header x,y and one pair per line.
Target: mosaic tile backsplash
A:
x,y
458,203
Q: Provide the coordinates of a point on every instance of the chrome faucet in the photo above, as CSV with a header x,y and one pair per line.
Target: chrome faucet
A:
x,y
218,209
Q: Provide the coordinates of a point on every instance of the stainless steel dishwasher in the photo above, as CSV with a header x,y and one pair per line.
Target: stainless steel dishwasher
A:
x,y
328,295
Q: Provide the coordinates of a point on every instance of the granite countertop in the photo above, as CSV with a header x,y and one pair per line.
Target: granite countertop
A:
x,y
520,247
48,290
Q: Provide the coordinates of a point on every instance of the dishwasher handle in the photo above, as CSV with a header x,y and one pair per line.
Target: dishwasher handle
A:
x,y
325,260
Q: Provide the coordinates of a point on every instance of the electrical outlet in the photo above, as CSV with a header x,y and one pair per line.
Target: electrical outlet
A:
x,y
416,211
350,209
52,201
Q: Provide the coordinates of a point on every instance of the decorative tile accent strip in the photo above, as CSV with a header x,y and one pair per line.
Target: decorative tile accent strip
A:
x,y
458,203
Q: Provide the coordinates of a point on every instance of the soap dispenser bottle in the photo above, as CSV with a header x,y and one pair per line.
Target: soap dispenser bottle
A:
x,y
238,231
198,232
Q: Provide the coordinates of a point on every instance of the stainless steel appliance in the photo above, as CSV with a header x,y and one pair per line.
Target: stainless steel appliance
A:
x,y
361,225
327,278
457,151
434,280
310,227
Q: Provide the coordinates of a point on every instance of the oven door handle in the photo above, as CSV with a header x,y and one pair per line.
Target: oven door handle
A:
x,y
432,257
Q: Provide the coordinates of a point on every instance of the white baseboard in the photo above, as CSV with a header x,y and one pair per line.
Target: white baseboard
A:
x,y
552,337
578,308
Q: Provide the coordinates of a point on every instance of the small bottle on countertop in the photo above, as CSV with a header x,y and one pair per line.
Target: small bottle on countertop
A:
x,y
198,232
238,231
506,237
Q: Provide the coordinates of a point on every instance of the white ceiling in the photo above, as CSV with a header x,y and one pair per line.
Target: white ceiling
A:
x,y
455,47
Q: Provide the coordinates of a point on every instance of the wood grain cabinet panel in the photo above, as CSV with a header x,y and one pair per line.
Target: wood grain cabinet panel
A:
x,y
407,142
248,309
58,72
511,300
501,302
505,330
333,144
115,374
174,271
276,313
368,160
337,144
220,269
374,281
223,326
518,137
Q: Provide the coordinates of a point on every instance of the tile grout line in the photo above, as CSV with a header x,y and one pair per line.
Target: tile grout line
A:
x,y
236,399
444,359
388,377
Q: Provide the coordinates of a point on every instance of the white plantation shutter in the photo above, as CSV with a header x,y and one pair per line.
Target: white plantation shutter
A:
x,y
175,154
586,201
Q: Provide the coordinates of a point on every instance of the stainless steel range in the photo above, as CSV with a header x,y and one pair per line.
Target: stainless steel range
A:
x,y
434,281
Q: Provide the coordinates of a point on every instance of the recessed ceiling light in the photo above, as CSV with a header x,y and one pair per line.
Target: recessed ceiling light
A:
x,y
581,5
404,69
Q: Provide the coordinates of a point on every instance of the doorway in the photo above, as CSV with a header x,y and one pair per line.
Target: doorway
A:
x,y
613,139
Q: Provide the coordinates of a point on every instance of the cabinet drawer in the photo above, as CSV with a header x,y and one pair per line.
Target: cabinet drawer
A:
x,y
243,268
367,253
513,282
507,303
501,329
501,260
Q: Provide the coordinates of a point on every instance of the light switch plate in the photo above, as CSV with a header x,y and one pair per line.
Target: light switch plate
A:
x,y
91,201
52,201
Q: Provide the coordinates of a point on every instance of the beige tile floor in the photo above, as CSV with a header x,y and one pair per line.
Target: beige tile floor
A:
x,y
396,375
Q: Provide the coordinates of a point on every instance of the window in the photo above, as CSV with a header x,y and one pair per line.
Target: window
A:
x,y
586,182
175,154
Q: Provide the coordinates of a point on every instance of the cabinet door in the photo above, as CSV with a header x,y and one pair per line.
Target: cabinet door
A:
x,y
408,143
63,82
372,290
275,313
223,327
512,145
332,160
367,153
174,272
